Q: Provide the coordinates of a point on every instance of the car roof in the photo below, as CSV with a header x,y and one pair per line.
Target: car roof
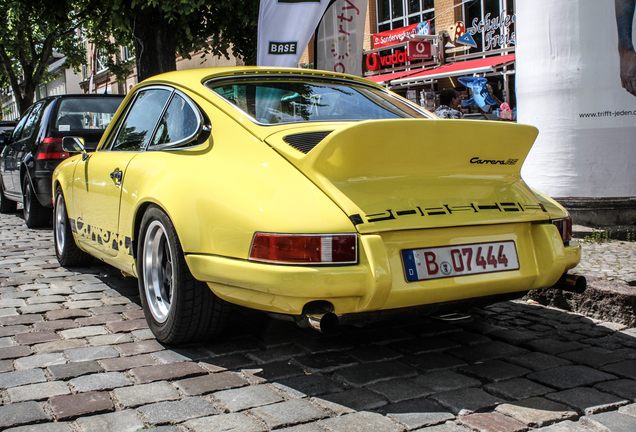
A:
x,y
190,77
81,95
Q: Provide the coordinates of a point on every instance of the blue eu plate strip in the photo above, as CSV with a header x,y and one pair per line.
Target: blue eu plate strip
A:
x,y
410,269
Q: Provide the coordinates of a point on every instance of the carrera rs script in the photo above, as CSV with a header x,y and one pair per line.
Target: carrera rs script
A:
x,y
477,160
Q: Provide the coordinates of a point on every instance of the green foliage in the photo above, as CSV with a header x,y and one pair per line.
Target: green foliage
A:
x,y
29,32
215,27
31,29
606,235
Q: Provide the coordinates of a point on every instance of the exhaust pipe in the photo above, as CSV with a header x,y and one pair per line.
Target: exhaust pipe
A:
x,y
325,323
572,283
319,316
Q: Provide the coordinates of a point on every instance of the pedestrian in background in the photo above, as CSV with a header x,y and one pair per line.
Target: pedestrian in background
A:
x,y
449,102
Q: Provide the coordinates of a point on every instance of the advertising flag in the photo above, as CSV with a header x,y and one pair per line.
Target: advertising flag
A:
x,y
341,36
285,28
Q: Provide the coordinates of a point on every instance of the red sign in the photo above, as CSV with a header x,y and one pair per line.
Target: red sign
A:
x,y
392,37
419,50
374,61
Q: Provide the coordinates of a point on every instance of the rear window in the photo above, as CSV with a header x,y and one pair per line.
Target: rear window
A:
x,y
85,113
279,100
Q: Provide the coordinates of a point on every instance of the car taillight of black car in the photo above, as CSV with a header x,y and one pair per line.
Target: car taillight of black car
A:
x,y
51,148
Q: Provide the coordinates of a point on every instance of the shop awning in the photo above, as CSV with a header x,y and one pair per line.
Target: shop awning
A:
x,y
468,67
385,78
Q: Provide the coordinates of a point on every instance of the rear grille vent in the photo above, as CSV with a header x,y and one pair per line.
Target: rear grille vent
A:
x,y
305,141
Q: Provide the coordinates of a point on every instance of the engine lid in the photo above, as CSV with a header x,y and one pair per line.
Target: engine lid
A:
x,y
412,173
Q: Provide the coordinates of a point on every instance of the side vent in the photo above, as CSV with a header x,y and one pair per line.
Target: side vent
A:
x,y
305,141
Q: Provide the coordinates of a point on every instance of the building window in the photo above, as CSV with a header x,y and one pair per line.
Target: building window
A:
x,y
102,62
393,14
483,14
127,52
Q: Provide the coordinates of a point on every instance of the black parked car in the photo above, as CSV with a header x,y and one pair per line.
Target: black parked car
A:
x,y
35,149
6,129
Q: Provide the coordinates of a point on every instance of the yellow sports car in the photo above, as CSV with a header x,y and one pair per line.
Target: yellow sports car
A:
x,y
310,195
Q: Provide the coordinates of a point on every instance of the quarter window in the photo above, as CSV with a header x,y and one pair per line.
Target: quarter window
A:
x,y
179,123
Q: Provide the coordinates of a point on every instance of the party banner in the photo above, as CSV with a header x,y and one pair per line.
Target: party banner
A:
x,y
341,36
285,28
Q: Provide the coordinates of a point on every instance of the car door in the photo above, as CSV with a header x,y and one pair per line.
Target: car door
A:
x,y
9,155
18,147
98,180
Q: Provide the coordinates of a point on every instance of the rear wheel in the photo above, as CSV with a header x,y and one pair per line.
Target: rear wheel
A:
x,y
6,205
67,252
178,308
35,214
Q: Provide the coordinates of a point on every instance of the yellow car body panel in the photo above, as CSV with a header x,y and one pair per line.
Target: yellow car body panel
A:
x,y
397,184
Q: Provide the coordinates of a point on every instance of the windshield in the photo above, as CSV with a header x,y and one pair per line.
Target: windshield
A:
x,y
275,101
86,113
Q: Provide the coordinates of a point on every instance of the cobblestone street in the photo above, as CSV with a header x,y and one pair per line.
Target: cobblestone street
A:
x,y
76,355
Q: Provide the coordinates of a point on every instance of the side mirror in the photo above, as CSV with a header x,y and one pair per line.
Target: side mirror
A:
x,y
74,144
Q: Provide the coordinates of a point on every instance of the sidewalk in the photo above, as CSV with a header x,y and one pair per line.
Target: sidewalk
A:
x,y
610,269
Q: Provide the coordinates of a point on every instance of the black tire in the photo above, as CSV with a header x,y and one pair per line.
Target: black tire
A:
x,y
35,214
6,205
178,308
66,250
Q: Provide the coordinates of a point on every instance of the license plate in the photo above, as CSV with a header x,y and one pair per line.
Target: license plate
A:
x,y
459,260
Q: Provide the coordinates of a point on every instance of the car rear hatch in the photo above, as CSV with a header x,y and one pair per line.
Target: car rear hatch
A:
x,y
391,175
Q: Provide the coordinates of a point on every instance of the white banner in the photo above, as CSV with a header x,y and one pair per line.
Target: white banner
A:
x,y
573,84
341,36
285,28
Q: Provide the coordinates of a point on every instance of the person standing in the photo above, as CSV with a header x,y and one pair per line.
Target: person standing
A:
x,y
449,102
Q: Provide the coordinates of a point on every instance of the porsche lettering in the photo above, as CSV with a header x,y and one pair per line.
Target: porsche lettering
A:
x,y
477,160
450,210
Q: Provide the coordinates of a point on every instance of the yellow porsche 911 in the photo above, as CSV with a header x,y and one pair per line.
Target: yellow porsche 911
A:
x,y
310,195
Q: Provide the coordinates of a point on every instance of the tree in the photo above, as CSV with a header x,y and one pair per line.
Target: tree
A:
x,y
161,29
29,32
31,29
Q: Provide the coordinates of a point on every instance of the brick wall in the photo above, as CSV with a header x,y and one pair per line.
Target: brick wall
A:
x,y
446,14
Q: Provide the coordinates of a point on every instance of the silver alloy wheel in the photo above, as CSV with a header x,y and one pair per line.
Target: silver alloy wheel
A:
x,y
27,199
60,224
158,271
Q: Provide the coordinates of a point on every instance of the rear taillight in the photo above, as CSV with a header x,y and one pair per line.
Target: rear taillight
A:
x,y
305,248
565,228
51,148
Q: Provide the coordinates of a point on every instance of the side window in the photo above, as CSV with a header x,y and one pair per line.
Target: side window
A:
x,y
179,123
20,126
32,121
136,131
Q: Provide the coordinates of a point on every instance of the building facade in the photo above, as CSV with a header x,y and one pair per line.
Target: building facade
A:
x,y
468,39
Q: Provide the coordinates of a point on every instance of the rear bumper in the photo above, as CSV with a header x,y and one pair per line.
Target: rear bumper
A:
x,y
378,281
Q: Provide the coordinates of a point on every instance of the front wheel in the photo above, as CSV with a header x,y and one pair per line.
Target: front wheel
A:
x,y
35,214
67,252
177,307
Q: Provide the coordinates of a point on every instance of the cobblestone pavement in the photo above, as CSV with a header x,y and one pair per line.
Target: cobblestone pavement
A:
x,y
76,355
610,260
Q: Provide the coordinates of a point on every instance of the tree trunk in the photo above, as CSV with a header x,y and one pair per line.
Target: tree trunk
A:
x,y
155,45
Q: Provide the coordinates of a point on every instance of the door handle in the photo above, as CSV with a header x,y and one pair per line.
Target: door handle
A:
x,y
116,175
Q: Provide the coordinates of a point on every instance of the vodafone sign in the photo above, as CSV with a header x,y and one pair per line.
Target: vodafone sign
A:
x,y
419,50
375,61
